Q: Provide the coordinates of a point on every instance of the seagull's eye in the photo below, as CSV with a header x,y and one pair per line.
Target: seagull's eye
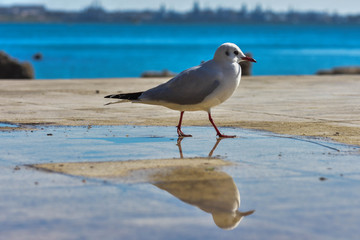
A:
x,y
227,53
236,53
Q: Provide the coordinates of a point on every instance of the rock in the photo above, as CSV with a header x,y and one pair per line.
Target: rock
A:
x,y
164,73
324,72
37,56
246,66
12,69
340,70
346,70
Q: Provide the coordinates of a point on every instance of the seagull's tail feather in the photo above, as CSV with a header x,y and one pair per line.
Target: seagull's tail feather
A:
x,y
120,101
126,96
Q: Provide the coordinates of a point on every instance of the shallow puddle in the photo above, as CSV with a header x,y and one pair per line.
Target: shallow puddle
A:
x,y
7,125
126,182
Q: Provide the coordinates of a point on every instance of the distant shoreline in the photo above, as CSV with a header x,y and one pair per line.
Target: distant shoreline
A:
x,y
96,13
180,23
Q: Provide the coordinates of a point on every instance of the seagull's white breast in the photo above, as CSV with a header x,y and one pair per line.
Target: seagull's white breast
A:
x,y
228,84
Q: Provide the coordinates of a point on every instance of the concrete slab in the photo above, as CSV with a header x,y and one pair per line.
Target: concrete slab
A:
x,y
326,106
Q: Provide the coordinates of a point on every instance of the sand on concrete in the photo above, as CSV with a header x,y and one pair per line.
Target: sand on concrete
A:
x,y
325,106
138,170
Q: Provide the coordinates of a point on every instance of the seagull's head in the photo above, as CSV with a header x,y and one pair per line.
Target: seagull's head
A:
x,y
231,53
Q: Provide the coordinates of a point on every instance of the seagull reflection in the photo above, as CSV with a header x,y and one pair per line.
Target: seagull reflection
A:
x,y
209,189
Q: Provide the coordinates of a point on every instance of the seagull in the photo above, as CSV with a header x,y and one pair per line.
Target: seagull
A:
x,y
198,88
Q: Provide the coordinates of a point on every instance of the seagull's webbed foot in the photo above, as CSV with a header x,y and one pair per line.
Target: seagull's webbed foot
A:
x,y
181,134
220,135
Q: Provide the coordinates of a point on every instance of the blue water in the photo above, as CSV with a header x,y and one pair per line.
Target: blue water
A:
x,y
127,50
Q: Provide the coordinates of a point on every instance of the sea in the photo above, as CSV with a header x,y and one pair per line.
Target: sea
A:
x,y
97,50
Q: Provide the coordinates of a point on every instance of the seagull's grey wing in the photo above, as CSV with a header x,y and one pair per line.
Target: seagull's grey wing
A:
x,y
189,87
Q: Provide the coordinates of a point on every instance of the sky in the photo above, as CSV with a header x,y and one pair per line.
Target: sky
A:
x,y
331,6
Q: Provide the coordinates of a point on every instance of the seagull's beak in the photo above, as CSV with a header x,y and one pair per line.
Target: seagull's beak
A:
x,y
248,59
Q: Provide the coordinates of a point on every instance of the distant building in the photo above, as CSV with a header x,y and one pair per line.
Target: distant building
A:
x,y
196,8
94,12
27,10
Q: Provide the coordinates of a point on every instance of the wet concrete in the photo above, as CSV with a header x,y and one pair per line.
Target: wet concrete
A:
x,y
290,187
